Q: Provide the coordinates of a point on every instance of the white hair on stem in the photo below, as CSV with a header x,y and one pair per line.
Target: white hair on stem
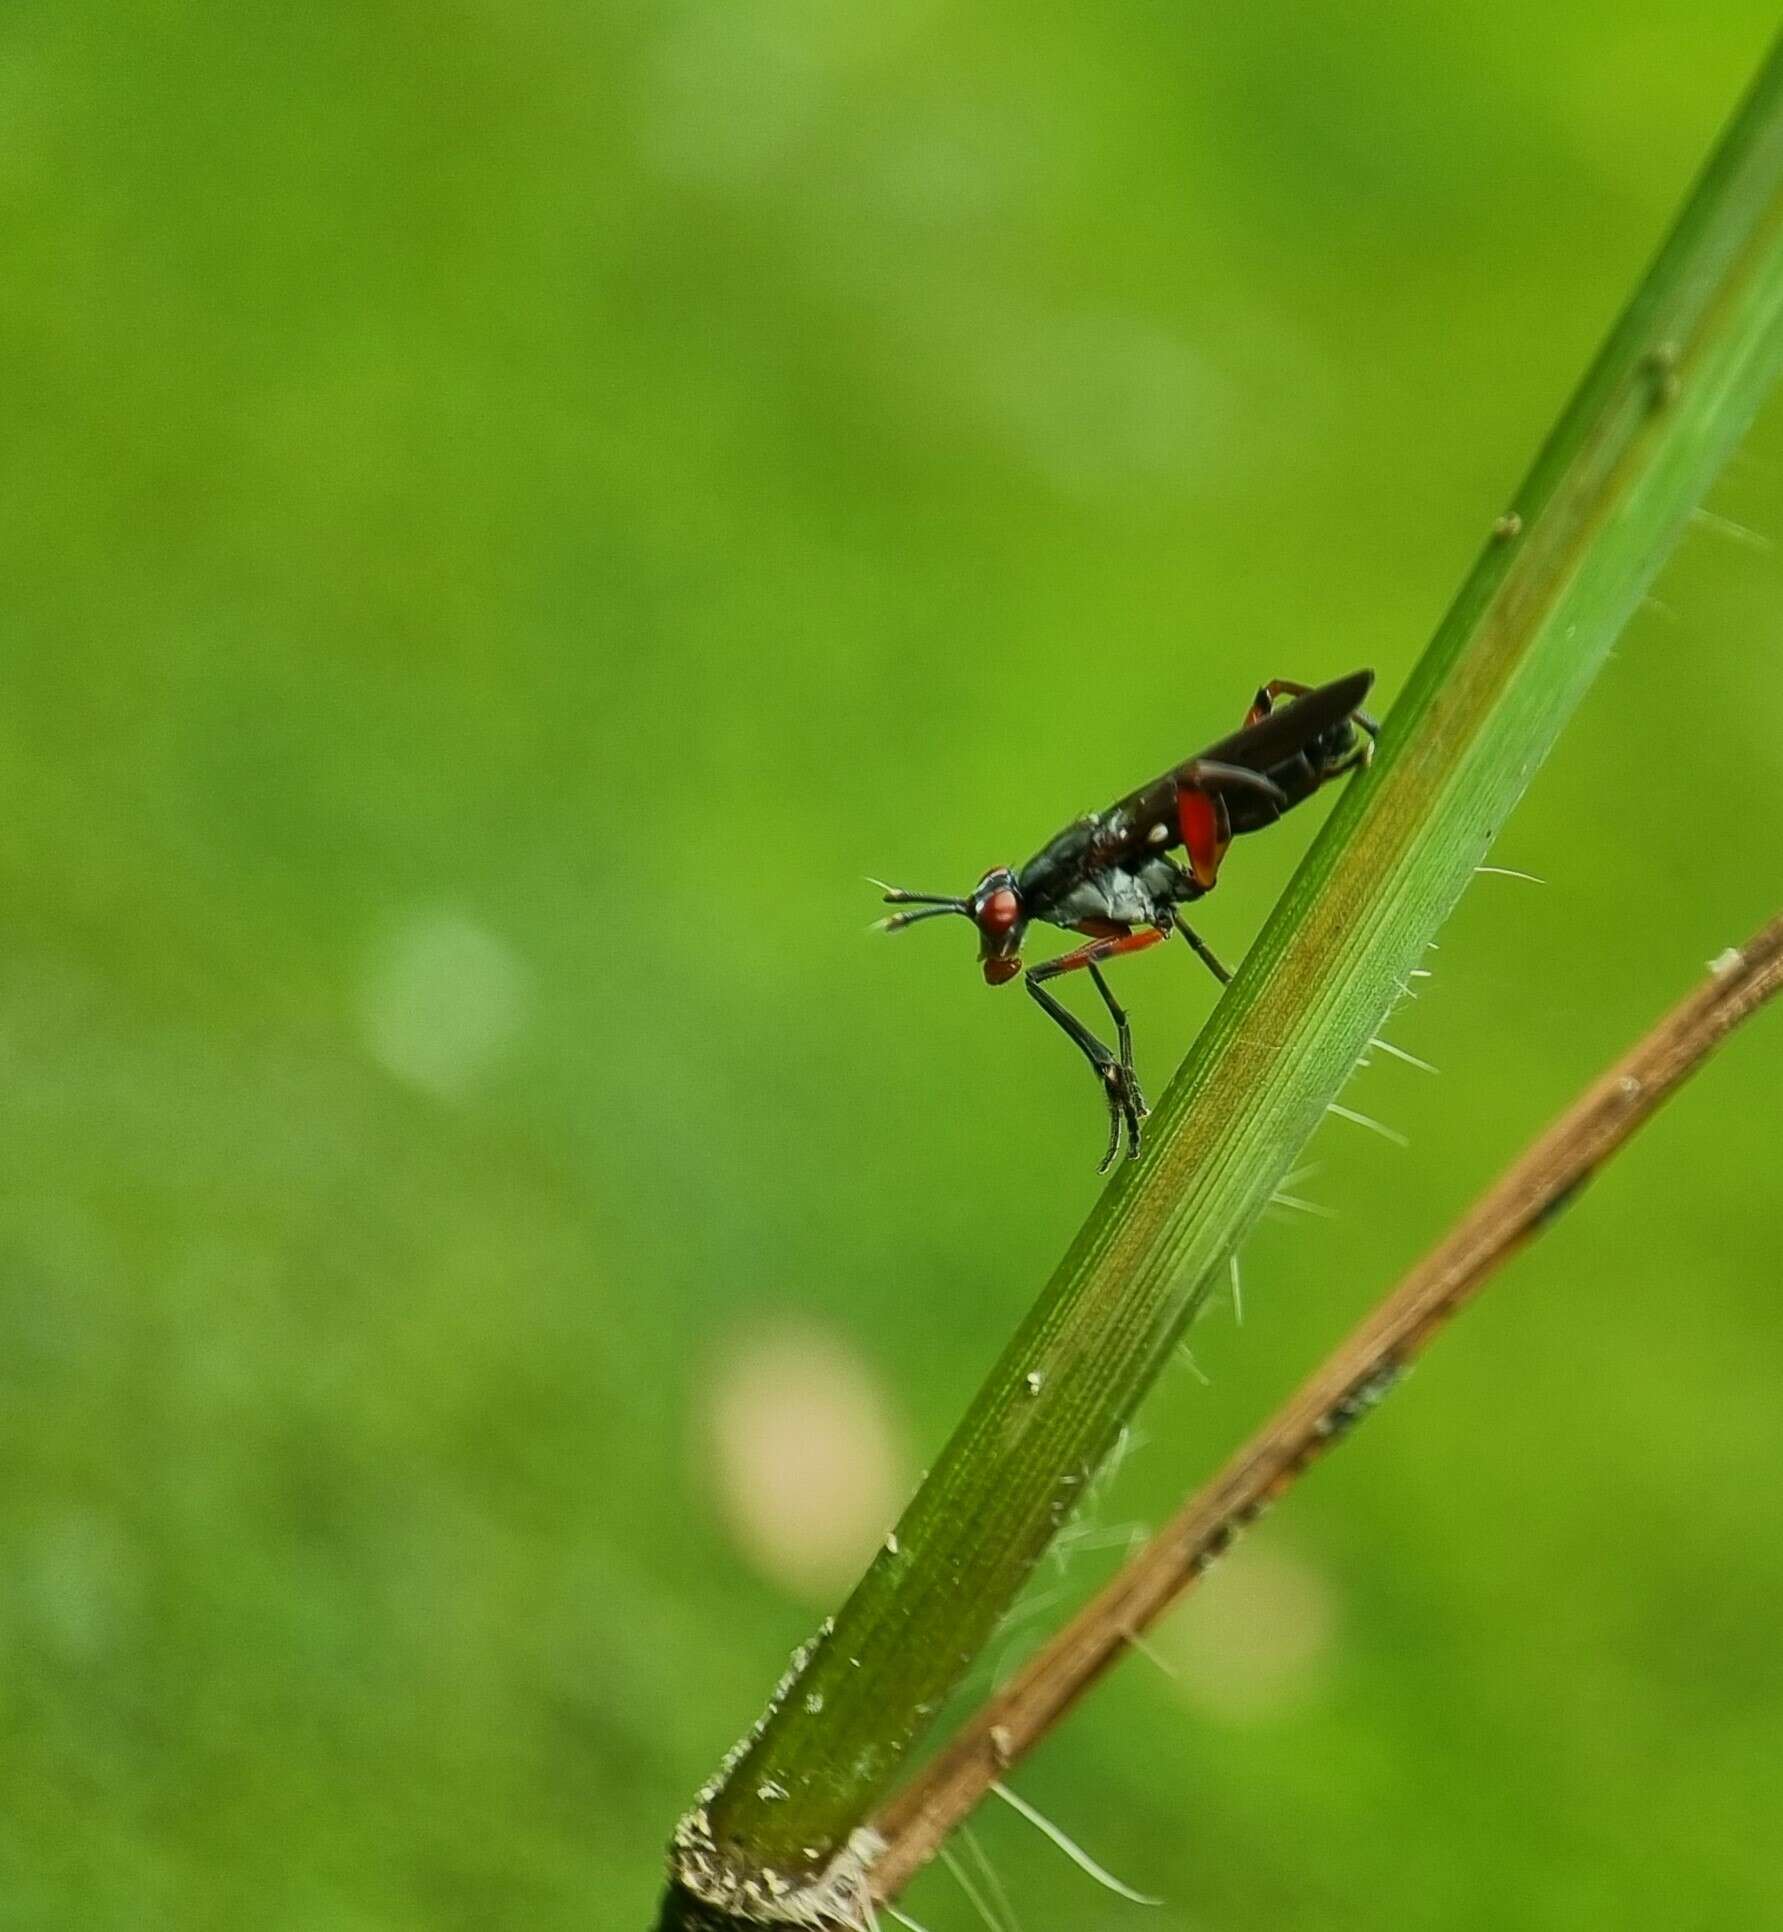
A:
x,y
1108,1536
993,1884
1365,1120
1150,1652
1296,1205
1073,1851
1399,1053
973,1897
1726,527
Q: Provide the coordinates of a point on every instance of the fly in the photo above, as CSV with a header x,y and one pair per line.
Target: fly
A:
x,y
1114,877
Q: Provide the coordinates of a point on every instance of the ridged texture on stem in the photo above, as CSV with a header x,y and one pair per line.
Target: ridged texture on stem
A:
x,y
1672,391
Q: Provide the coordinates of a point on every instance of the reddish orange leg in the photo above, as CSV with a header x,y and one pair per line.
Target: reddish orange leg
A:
x,y
1120,1084
1264,702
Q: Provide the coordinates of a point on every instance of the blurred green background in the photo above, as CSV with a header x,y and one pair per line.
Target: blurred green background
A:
x,y
510,513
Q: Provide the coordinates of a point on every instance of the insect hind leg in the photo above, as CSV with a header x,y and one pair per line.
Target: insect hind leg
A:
x,y
1333,752
1263,704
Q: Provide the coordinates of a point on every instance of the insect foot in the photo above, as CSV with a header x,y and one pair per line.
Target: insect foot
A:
x,y
1126,1109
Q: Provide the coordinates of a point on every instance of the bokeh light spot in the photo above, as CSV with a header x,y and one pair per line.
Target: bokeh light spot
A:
x,y
1254,1641
81,1582
441,1002
1102,402
804,1460
724,99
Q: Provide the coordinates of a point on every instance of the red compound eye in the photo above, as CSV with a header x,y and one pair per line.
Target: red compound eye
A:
x,y
998,913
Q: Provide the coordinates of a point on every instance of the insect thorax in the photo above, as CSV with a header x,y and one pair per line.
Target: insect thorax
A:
x,y
1139,896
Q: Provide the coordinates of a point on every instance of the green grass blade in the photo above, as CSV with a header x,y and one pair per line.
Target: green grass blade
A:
x,y
1674,388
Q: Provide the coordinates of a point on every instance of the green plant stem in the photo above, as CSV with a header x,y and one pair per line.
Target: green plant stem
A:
x,y
1523,1203
1671,392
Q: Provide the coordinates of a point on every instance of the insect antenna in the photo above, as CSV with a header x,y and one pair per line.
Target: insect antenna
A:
x,y
899,920
897,896
935,906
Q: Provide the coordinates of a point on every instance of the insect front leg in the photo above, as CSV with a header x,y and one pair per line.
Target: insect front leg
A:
x,y
1107,1069
1120,1083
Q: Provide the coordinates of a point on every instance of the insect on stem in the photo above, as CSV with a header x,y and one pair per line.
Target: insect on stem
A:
x,y
1112,877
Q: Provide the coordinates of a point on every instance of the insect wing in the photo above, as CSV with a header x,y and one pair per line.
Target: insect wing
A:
x,y
1292,727
1132,824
